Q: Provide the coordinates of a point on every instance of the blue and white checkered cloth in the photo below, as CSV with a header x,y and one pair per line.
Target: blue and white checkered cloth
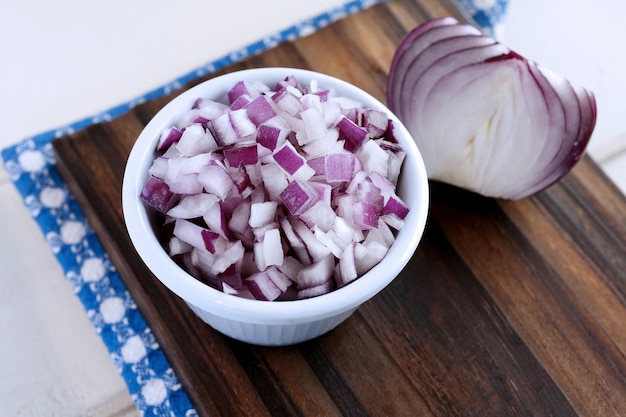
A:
x,y
134,350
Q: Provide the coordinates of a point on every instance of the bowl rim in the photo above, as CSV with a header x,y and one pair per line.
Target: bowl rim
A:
x,y
216,302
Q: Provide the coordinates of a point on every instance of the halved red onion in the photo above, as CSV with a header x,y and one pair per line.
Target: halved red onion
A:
x,y
485,118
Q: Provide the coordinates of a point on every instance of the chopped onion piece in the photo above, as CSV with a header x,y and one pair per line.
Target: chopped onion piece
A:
x,y
241,123
290,267
259,110
242,88
314,247
246,154
347,266
396,207
168,137
271,136
373,253
365,215
227,258
353,135
262,286
158,195
281,280
287,100
297,197
177,246
320,215
262,214
288,158
316,291
295,242
195,140
216,180
223,130
317,273
339,167
192,206
195,235
272,248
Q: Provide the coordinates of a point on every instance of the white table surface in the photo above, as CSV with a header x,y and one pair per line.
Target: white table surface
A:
x,y
67,60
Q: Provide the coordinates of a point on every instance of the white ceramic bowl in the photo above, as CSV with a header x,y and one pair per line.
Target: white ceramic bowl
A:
x,y
264,322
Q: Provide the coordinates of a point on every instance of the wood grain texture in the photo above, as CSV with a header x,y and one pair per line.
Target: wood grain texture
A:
x,y
506,309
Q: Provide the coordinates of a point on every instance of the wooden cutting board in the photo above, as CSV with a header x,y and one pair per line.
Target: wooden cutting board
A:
x,y
507,308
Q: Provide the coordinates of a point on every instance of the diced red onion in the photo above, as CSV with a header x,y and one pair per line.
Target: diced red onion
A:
x,y
373,158
320,214
339,167
262,214
314,125
215,219
288,158
316,291
268,136
374,252
327,240
279,195
246,154
289,81
347,266
239,89
158,195
317,273
314,247
193,206
231,278
281,280
395,206
318,164
168,137
262,286
295,242
375,123
287,101
242,181
297,197
365,215
259,110
272,247
216,180
240,102
195,140
238,222
191,233
274,179
241,123
159,167
290,267
367,192
223,130
178,247
202,260
227,258
353,135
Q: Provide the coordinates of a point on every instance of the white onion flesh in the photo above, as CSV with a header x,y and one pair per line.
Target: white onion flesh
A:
x,y
485,118
279,194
